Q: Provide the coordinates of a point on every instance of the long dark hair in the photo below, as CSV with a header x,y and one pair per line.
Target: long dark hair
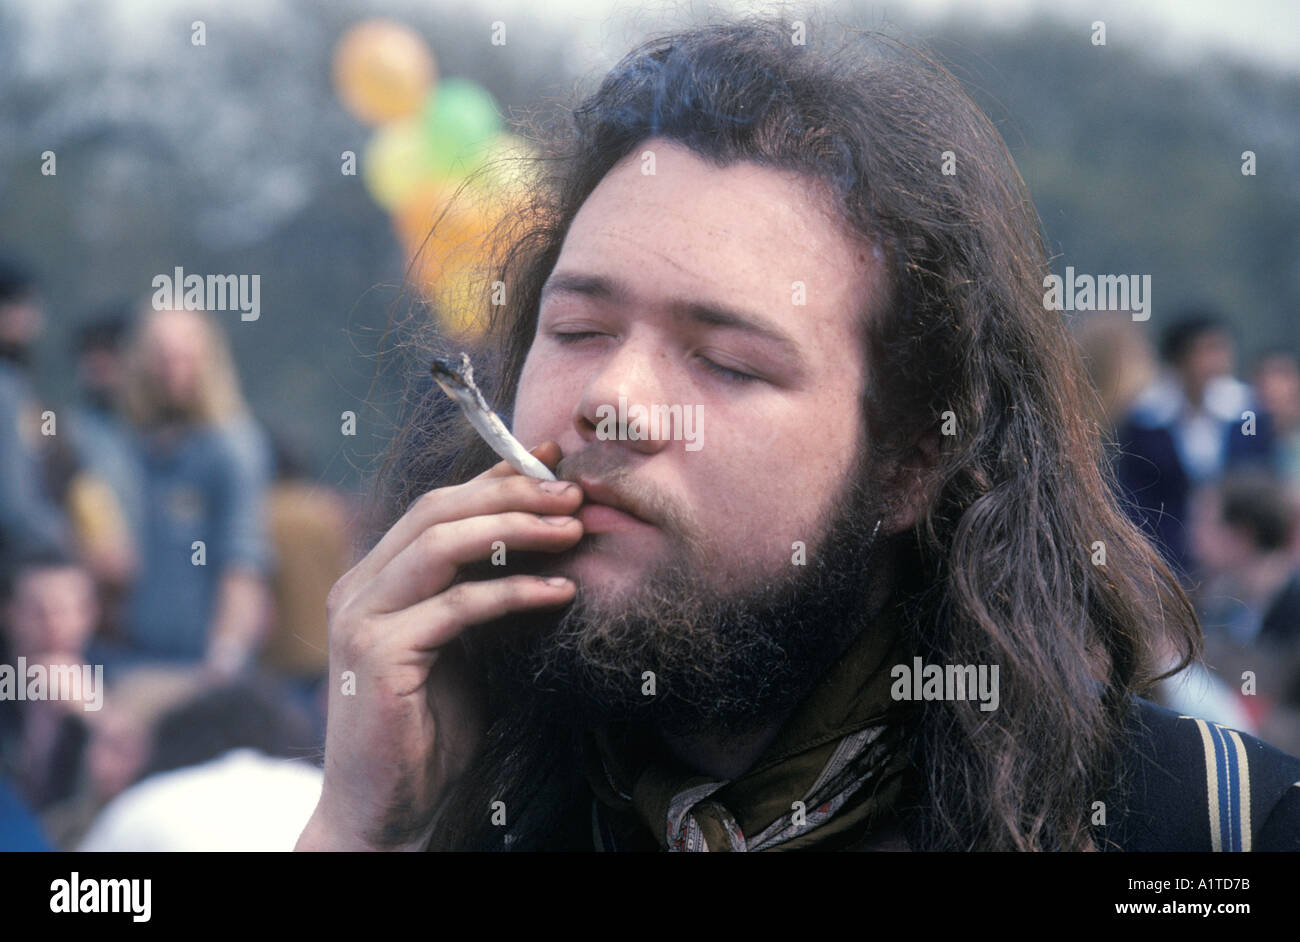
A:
x,y
1021,498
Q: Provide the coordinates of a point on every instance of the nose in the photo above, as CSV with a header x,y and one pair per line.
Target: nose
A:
x,y
620,396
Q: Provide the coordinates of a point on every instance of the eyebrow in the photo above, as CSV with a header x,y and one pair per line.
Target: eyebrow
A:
x,y
600,288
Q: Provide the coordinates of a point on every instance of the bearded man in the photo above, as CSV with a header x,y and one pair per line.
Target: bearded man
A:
x,y
825,253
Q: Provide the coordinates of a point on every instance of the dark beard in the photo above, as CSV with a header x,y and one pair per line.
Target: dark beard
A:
x,y
725,664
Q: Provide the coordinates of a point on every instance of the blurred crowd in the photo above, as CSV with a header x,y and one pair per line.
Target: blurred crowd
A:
x,y
153,526
1208,463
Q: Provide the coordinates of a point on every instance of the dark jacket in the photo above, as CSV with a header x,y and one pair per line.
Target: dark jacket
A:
x,y
1192,785
1158,487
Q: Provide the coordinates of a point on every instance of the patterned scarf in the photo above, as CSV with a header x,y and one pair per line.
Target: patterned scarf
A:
x,y
832,774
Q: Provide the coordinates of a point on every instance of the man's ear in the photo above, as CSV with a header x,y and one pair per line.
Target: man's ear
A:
x,y
913,483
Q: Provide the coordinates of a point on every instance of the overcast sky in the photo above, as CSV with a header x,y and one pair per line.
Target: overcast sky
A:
x,y
1263,31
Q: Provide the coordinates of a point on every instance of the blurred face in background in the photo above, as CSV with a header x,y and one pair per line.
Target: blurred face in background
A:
x,y
1209,356
1277,383
119,746
21,321
101,372
174,344
53,612
1219,549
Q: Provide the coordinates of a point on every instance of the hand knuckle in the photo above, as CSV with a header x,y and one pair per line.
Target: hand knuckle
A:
x,y
426,505
428,542
456,598
354,646
522,487
520,588
523,522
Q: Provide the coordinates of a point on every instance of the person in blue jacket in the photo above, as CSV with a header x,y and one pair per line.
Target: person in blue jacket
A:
x,y
1186,430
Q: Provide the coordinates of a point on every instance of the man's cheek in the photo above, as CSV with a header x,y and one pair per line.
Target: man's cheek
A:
x,y
526,423
741,543
541,407
524,427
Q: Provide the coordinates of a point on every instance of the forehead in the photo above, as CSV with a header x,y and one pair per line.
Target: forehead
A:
x,y
742,235
175,327
1212,340
44,578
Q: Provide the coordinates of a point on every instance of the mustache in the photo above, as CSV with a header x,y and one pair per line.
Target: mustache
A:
x,y
611,468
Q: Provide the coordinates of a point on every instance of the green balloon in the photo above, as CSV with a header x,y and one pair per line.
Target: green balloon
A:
x,y
460,121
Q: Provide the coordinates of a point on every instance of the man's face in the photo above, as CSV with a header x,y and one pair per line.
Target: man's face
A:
x,y
727,293
754,561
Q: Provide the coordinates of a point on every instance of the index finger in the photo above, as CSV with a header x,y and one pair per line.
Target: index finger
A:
x,y
548,453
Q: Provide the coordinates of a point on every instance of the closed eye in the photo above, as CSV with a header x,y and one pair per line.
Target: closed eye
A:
x,y
730,375
574,336
725,373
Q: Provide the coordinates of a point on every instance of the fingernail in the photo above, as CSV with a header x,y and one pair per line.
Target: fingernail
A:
x,y
555,487
556,581
558,521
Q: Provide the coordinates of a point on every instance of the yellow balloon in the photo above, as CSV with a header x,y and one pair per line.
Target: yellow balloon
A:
x,y
508,170
395,163
382,71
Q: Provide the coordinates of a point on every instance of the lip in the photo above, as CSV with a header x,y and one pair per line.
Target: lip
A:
x,y
603,511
